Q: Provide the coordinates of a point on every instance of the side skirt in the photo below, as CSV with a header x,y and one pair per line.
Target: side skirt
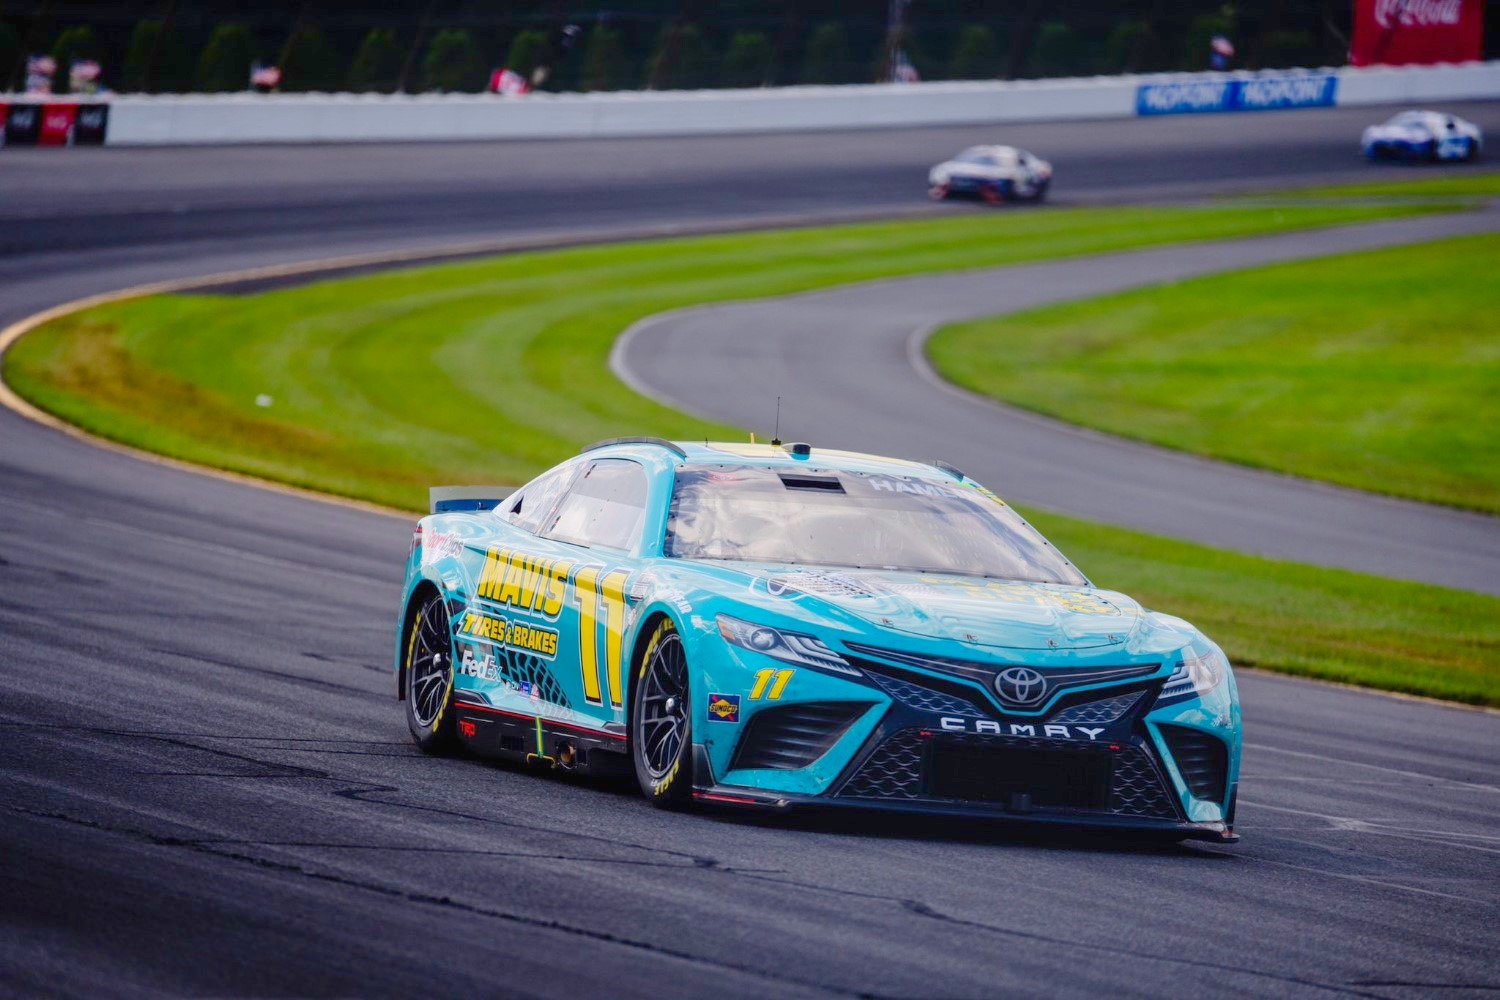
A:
x,y
533,739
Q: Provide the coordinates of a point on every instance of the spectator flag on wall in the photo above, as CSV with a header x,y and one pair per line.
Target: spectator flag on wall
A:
x,y
902,71
509,83
1220,52
39,73
83,77
265,77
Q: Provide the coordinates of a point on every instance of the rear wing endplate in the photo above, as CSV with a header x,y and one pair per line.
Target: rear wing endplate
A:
x,y
456,499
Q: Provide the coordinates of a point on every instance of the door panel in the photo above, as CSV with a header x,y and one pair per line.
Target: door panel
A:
x,y
544,632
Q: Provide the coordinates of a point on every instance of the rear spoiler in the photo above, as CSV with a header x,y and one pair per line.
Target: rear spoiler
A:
x,y
456,499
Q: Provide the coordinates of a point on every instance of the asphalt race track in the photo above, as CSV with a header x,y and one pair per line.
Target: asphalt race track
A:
x,y
207,787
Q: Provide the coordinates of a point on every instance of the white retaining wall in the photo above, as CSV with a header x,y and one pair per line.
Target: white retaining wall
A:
x,y
270,118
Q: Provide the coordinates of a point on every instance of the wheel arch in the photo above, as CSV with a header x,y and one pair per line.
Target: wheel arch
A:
x,y
420,594
649,624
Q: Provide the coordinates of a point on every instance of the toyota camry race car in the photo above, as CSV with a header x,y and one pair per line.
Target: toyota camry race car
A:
x,y
1423,135
768,626
994,173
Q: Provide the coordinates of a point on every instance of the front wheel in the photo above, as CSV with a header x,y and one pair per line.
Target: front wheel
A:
x,y
938,192
429,678
661,736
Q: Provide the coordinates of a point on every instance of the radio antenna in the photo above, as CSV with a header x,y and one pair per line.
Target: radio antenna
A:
x,y
776,435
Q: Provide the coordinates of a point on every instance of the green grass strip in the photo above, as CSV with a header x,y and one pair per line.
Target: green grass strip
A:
x,y
1463,181
1377,370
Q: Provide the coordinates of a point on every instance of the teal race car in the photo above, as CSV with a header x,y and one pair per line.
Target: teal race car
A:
x,y
771,626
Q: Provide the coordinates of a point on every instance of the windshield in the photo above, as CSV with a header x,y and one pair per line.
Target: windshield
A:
x,y
850,519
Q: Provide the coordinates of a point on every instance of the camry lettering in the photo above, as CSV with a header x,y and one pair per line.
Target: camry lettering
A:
x,y
989,727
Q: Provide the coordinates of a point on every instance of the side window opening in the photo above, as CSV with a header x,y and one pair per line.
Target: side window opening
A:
x,y
535,501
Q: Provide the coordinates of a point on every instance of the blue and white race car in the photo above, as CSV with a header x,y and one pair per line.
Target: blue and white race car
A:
x,y
1423,135
766,627
991,173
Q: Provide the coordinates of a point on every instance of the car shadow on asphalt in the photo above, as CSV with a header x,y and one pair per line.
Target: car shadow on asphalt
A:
x,y
873,824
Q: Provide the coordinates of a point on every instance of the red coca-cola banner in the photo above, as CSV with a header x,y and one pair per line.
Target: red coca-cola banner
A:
x,y
1409,32
57,125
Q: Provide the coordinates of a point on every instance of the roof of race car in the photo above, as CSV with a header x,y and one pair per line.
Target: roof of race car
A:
x,y
745,453
999,152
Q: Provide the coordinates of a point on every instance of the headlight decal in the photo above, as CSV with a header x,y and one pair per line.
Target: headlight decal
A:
x,y
790,647
1196,674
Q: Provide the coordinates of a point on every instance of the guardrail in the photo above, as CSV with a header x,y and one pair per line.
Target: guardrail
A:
x,y
276,118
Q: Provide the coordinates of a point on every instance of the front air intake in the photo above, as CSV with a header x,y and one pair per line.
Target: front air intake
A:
x,y
792,736
1202,759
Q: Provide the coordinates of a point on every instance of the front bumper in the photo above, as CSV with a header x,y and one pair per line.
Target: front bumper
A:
x,y
1107,758
736,797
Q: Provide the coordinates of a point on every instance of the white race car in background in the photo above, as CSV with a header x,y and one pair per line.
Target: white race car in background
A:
x,y
994,173
1423,135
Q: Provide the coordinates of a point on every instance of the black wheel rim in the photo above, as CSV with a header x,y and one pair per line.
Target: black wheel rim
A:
x,y
663,716
430,671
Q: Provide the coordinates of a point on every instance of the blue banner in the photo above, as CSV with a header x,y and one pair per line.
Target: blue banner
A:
x,y
1259,93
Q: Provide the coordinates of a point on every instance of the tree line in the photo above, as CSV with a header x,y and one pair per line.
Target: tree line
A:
x,y
156,56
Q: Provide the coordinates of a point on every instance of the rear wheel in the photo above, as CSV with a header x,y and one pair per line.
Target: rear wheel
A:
x,y
429,677
661,737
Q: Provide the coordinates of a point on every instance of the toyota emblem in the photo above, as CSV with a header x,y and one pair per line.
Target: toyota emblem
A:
x,y
1021,686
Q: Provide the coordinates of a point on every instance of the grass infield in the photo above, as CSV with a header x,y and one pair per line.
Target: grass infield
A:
x,y
1376,370
378,386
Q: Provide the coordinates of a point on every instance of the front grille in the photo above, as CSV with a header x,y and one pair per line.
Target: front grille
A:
x,y
893,771
922,698
1103,712
1202,759
1027,775
1052,774
1053,680
793,736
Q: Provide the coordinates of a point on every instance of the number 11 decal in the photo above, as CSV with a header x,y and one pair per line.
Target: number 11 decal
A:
x,y
601,606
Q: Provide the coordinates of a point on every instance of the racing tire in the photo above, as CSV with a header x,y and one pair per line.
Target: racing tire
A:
x,y
938,192
1002,191
1041,192
1471,152
429,678
661,721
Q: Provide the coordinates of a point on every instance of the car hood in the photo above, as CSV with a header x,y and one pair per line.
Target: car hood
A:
x,y
974,611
